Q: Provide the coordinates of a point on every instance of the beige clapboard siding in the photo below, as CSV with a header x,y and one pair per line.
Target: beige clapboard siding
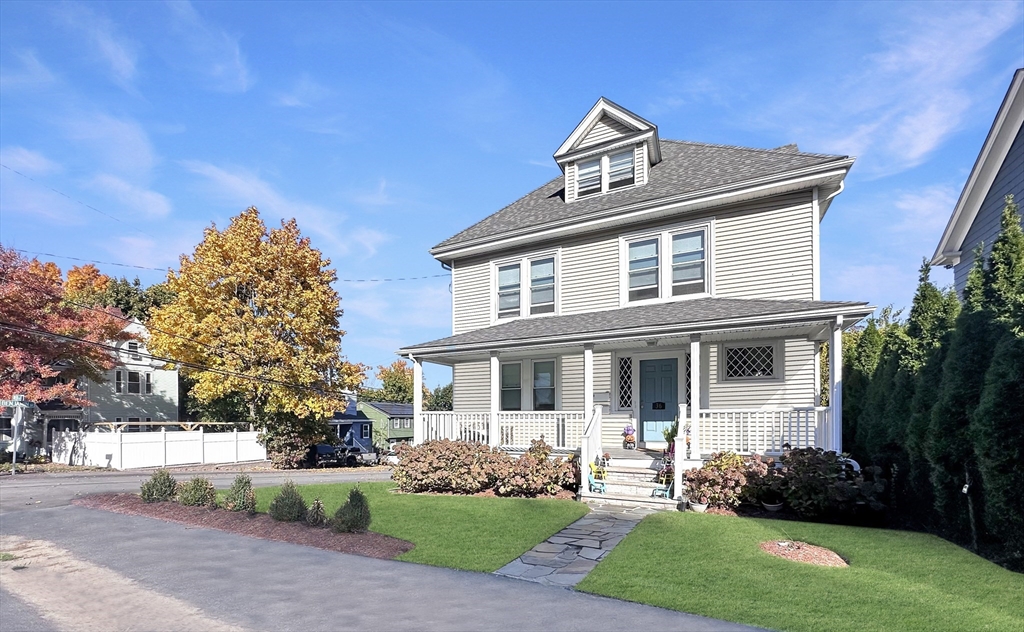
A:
x,y
471,291
640,164
607,129
796,390
590,276
471,387
572,378
767,254
570,182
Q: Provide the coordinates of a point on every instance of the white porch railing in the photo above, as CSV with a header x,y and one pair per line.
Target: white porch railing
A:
x,y
764,430
457,426
558,428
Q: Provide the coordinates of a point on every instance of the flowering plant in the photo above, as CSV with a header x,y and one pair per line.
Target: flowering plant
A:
x,y
628,430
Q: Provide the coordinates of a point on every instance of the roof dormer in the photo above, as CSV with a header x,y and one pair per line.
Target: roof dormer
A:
x,y
612,148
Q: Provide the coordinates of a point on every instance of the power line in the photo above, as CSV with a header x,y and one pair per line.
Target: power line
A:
x,y
192,365
92,208
125,265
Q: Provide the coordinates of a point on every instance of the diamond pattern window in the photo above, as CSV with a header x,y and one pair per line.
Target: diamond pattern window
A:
x,y
750,362
625,383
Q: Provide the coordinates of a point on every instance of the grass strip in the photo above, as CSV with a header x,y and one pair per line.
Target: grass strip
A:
x,y
897,580
464,532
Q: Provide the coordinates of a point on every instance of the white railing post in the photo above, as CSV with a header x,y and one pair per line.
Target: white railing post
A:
x,y
588,378
494,426
417,401
695,387
236,444
835,382
202,445
163,438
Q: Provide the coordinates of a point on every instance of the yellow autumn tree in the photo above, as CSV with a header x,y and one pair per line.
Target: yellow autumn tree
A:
x,y
86,285
259,303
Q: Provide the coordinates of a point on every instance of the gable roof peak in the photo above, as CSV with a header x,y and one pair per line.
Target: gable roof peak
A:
x,y
629,125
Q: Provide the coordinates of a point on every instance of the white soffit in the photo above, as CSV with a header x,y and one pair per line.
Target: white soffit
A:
x,y
997,144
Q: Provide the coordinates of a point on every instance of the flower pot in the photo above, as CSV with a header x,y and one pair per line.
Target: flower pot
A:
x,y
771,506
699,507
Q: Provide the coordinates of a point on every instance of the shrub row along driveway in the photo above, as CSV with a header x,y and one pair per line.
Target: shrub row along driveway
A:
x,y
256,584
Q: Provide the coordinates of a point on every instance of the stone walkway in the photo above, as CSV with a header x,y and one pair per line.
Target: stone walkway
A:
x,y
565,558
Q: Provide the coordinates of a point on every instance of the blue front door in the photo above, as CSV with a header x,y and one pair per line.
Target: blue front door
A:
x,y
659,397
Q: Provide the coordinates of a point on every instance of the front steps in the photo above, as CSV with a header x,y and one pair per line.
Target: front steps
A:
x,y
630,482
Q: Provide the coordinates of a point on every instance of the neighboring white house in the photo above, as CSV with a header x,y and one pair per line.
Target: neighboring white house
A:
x,y
654,280
998,172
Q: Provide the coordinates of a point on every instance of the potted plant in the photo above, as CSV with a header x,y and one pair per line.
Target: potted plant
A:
x,y
700,505
629,437
701,486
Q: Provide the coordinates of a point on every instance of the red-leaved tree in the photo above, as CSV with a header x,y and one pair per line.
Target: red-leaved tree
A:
x,y
40,366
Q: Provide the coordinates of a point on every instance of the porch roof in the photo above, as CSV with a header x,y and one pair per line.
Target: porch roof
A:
x,y
675,318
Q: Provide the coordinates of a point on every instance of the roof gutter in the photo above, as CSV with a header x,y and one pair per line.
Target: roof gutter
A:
x,y
719,196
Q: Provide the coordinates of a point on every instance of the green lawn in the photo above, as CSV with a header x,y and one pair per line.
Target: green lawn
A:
x,y
897,580
471,533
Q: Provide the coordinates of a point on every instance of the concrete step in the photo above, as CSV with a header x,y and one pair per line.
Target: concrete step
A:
x,y
625,500
642,489
619,473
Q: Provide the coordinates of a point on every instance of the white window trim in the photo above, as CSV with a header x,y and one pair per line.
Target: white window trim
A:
x,y
526,383
524,284
681,354
778,360
664,236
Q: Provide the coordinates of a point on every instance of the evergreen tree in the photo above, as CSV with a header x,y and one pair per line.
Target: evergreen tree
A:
x,y
441,398
1004,278
914,500
997,428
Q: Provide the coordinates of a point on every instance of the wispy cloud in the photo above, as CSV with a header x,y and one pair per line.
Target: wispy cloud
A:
x,y
368,240
304,93
243,188
210,50
27,161
378,197
925,212
121,145
116,50
138,199
549,164
31,72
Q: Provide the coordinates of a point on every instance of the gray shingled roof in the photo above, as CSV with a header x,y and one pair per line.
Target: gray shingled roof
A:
x,y
686,167
392,409
703,311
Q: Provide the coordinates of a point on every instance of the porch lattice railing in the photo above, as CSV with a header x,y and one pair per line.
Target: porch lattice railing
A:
x,y
457,426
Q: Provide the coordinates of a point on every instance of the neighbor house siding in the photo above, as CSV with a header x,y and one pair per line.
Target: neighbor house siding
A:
x,y
471,296
605,130
1009,180
796,389
471,387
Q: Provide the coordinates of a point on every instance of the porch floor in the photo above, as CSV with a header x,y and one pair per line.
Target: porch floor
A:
x,y
624,454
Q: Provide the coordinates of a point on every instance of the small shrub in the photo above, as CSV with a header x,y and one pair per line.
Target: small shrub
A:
x,y
725,461
539,449
459,467
198,492
288,505
764,481
823,485
354,515
531,476
160,487
241,496
720,481
316,515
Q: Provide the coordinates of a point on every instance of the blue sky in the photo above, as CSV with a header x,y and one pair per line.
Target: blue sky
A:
x,y
386,128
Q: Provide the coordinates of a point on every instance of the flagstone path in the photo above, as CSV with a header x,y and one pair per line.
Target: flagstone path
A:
x,y
565,558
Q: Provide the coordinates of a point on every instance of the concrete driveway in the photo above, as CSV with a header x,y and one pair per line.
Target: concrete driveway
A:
x,y
87,569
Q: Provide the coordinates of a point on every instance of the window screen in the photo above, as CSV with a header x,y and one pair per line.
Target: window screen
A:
x,y
542,286
620,170
688,263
588,177
508,291
643,269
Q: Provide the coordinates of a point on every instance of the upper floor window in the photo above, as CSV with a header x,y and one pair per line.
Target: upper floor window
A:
x,y
669,263
607,173
133,348
540,287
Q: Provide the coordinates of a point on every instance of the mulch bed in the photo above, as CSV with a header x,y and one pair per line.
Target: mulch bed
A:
x,y
261,526
803,552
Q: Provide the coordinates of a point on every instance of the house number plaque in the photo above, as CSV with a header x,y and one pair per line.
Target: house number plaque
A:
x,y
658,406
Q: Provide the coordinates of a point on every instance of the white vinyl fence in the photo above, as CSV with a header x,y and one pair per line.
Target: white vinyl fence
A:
x,y
127,450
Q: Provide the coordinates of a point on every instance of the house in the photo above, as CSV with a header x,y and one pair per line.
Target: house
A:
x,y
353,428
998,172
390,420
653,281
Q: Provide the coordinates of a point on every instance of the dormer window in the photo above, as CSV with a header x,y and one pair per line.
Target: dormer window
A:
x,y
604,174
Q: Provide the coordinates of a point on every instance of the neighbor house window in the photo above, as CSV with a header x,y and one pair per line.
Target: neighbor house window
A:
x,y
526,287
643,269
366,431
397,424
542,286
544,385
620,170
666,264
149,383
133,348
750,362
133,382
408,423
588,177
508,291
118,381
512,386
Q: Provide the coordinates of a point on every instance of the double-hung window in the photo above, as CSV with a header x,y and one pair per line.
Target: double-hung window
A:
x,y
119,381
668,263
149,383
134,384
588,177
526,287
133,349
512,386
606,173
620,170
544,385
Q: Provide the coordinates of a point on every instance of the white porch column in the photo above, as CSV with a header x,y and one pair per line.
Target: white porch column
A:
x,y
588,381
494,427
418,430
835,384
695,396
